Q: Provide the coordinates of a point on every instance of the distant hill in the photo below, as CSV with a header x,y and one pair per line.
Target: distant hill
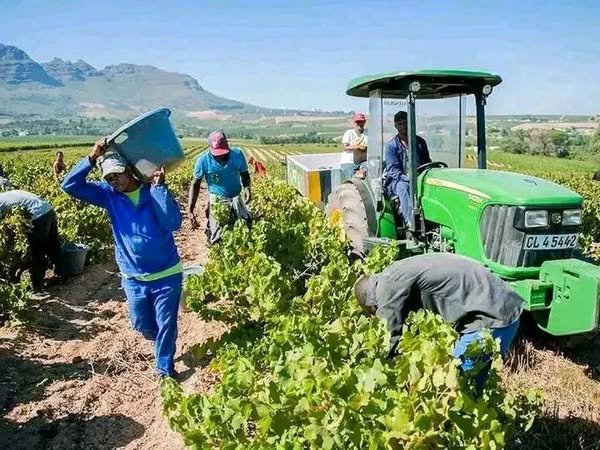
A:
x,y
68,88
17,68
66,71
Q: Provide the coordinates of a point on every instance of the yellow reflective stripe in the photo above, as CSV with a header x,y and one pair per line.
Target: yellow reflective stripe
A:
x,y
177,268
458,187
314,187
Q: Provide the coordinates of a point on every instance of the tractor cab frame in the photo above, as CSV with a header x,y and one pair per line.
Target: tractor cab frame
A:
x,y
404,89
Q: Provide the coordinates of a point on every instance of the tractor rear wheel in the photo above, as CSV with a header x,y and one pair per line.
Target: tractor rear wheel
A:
x,y
346,208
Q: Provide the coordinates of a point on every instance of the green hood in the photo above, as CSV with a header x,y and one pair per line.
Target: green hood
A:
x,y
507,188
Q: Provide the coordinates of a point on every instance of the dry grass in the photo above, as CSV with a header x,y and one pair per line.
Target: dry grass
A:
x,y
570,382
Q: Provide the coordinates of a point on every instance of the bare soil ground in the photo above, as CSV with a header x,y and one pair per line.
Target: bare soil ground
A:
x,y
75,376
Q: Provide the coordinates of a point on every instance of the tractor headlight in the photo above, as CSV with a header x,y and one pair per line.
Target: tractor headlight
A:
x,y
487,89
571,217
536,219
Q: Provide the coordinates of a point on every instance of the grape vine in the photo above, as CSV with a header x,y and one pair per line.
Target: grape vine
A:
x,y
303,367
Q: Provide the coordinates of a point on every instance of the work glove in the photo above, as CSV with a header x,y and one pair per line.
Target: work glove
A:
x,y
246,195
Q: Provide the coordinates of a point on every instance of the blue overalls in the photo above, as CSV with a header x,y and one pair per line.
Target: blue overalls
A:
x,y
397,183
144,251
506,336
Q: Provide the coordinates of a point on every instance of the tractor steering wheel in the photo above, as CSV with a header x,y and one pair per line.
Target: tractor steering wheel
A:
x,y
431,165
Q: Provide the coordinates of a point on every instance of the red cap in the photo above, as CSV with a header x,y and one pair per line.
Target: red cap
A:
x,y
218,143
359,117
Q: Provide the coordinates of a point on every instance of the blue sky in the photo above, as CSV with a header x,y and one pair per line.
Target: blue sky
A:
x,y
301,54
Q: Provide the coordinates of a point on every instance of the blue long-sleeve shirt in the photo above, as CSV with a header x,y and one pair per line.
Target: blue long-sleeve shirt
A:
x,y
396,158
143,234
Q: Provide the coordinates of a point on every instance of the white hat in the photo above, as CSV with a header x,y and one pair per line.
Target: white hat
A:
x,y
111,163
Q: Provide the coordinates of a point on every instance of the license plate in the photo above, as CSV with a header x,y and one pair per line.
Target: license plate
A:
x,y
550,241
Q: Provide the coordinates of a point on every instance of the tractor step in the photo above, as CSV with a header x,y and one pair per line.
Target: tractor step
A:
x,y
371,242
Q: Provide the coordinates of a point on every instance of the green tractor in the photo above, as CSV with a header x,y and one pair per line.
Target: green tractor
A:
x,y
522,228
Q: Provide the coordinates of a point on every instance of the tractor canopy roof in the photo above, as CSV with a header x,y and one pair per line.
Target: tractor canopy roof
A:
x,y
434,83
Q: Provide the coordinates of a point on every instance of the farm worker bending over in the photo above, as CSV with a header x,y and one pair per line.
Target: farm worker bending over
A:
x,y
459,289
143,219
396,185
226,171
44,242
354,147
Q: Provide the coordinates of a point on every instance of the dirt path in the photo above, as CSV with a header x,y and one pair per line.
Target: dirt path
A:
x,y
77,377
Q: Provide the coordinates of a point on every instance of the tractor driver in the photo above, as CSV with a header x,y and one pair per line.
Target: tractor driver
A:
x,y
396,186
459,289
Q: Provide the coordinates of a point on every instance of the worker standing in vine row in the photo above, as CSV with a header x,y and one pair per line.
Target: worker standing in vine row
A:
x,y
226,172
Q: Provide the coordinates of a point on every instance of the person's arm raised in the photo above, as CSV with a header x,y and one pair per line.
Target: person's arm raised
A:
x,y
76,184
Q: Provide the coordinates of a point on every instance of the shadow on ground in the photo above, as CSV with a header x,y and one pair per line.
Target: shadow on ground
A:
x,y
70,433
553,433
61,321
582,350
69,313
24,380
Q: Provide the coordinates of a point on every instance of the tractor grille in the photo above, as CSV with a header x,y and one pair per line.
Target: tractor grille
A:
x,y
503,243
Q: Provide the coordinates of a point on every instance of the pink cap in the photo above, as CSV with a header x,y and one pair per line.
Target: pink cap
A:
x,y
218,143
359,117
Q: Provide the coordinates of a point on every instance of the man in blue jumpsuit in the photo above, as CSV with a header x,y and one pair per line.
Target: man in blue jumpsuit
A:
x,y
143,219
397,184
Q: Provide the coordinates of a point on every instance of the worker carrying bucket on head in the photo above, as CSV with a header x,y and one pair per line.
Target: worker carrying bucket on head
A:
x,y
461,290
226,172
144,217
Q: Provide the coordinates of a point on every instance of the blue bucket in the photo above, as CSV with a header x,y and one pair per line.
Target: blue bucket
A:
x,y
148,142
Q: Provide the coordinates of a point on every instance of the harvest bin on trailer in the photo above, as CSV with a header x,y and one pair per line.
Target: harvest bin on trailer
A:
x,y
315,176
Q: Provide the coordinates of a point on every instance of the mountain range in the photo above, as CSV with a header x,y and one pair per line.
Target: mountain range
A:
x,y
68,88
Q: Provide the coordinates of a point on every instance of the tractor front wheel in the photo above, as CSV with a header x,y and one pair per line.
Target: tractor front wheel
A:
x,y
346,208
